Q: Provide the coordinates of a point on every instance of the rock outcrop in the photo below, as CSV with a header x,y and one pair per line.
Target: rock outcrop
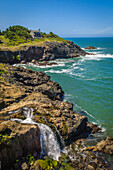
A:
x,y
90,48
17,140
105,146
21,88
45,52
36,90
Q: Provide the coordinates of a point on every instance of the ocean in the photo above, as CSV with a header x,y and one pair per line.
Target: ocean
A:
x,y
88,81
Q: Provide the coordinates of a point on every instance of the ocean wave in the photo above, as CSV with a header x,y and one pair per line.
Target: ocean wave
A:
x,y
70,72
79,68
59,71
79,75
65,60
97,56
84,112
34,65
22,65
67,97
95,52
47,66
98,48
103,129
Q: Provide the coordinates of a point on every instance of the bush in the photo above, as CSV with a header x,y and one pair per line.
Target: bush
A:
x,y
17,35
50,35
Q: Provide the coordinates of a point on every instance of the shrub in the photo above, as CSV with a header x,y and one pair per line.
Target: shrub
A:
x,y
17,35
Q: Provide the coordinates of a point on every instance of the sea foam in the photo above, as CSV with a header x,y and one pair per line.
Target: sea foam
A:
x,y
98,56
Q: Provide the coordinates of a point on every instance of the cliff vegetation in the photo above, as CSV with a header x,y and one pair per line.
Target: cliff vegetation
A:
x,y
16,37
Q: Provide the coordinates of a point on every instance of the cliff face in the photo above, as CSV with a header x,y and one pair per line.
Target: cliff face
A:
x,y
36,90
47,51
20,89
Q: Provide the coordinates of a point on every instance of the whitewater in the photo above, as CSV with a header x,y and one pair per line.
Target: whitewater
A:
x,y
48,140
87,81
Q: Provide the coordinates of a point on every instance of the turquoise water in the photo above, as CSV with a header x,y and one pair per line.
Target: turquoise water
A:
x,y
88,81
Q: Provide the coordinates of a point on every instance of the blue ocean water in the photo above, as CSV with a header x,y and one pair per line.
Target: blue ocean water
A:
x,y
88,80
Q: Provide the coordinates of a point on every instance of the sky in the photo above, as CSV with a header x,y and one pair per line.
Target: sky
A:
x,y
67,18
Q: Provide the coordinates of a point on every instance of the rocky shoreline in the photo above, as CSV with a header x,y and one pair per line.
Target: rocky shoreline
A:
x,y
21,88
43,52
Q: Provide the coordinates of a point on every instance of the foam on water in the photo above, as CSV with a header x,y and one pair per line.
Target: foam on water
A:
x,y
23,65
34,65
98,56
59,71
99,48
47,66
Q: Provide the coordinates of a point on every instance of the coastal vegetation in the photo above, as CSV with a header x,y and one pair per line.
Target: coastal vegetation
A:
x,y
15,37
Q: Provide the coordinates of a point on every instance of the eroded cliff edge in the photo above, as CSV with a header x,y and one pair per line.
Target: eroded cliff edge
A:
x,y
41,52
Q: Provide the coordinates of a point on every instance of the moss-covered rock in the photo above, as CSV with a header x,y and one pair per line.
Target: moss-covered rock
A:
x,y
2,71
52,164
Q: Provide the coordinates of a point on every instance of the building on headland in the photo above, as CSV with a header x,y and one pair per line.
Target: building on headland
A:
x,y
36,34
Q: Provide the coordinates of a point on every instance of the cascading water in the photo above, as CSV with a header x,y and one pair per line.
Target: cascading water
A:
x,y
60,137
48,140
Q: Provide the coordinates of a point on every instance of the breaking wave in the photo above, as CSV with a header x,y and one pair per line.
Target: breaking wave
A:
x,y
48,66
59,71
99,48
98,56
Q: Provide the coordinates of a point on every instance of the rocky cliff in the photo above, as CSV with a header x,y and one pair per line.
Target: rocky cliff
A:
x,y
17,140
20,143
47,51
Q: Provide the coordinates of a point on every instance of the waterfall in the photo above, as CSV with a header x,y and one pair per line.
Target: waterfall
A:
x,y
48,140
60,137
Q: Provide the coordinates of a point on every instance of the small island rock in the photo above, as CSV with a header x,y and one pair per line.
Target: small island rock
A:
x,y
90,48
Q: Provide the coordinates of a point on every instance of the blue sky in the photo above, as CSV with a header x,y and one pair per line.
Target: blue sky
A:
x,y
67,18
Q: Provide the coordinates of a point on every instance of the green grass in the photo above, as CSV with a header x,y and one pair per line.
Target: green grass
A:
x,y
19,38
36,42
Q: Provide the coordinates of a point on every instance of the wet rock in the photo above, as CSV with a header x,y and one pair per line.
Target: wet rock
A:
x,y
92,128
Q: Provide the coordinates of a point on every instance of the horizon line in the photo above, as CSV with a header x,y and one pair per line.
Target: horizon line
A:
x,y
88,37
